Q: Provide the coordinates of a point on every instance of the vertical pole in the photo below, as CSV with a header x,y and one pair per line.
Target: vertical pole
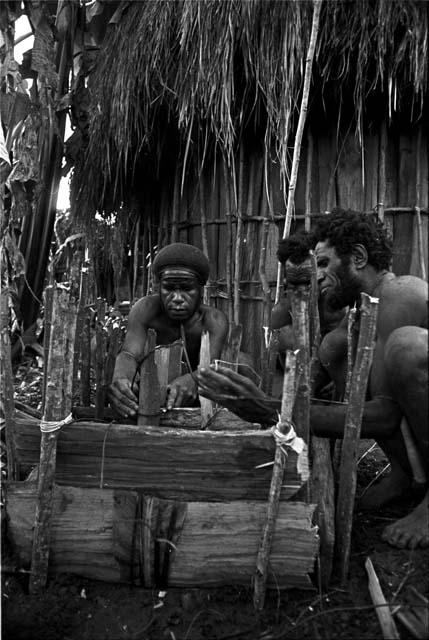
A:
x,y
348,468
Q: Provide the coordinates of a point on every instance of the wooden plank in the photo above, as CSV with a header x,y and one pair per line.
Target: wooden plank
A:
x,y
167,463
215,543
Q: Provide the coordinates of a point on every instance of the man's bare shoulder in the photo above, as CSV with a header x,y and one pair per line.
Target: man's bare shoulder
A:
x,y
408,287
403,301
146,309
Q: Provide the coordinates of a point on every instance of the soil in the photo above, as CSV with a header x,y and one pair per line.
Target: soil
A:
x,y
74,608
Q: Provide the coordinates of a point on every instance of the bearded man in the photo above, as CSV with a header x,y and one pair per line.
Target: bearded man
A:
x,y
175,312
353,254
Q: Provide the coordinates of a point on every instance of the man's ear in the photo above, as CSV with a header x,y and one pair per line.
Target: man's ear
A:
x,y
359,256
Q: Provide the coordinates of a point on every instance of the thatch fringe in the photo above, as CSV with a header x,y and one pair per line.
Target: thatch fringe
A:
x,y
208,69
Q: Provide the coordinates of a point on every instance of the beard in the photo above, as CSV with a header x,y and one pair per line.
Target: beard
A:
x,y
347,290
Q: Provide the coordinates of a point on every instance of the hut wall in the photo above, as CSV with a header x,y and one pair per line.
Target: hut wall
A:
x,y
343,172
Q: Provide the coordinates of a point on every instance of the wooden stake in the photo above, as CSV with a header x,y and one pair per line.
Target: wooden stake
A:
x,y
288,399
149,393
85,378
80,322
100,391
238,239
385,618
381,199
417,208
56,407
7,387
352,428
229,263
207,406
308,180
49,296
322,482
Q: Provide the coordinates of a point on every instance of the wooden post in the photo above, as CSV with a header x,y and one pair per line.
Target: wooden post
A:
x,y
352,428
100,337
149,398
381,199
207,406
417,208
284,426
321,484
7,387
57,406
49,296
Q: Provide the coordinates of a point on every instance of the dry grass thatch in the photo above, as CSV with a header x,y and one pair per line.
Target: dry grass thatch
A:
x,y
210,68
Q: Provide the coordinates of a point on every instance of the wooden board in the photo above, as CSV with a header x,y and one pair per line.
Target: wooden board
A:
x,y
95,534
167,463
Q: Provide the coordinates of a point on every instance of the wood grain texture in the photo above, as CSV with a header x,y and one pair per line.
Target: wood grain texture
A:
x,y
93,535
168,463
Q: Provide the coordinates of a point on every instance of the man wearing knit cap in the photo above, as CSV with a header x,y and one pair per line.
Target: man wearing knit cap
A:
x,y
175,312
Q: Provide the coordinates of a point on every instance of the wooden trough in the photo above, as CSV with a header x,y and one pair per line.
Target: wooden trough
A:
x,y
164,505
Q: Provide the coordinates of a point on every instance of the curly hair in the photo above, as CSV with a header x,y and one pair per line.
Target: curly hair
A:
x,y
295,248
344,229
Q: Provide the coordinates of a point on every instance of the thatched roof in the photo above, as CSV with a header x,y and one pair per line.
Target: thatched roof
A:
x,y
202,73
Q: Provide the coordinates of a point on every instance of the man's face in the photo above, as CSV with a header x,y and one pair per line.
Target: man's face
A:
x,y
338,284
180,293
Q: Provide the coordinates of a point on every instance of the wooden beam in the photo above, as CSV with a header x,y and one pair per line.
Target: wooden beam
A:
x,y
93,530
167,463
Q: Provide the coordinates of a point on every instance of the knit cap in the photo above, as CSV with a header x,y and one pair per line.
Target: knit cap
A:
x,y
180,255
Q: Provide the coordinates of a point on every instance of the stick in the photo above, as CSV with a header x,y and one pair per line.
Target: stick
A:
x,y
54,411
387,624
229,263
417,208
238,240
307,219
149,393
136,260
176,204
100,392
381,202
353,422
85,379
49,296
288,399
207,406
300,130
80,321
6,373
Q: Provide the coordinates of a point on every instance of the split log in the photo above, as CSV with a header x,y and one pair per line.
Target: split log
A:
x,y
93,535
167,463
352,428
207,406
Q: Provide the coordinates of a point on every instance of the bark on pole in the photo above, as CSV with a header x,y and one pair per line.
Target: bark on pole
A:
x,y
352,429
7,391
288,399
57,407
300,130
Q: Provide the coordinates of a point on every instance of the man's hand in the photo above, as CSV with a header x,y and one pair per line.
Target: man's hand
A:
x,y
238,394
123,398
182,392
